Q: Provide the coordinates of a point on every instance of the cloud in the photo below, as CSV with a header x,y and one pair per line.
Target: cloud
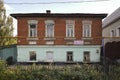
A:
x,y
7,7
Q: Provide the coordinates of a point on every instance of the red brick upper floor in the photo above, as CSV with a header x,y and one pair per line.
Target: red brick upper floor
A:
x,y
59,29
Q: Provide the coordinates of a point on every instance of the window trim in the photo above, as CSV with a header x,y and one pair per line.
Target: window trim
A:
x,y
49,52
70,22
87,22
112,33
118,32
47,22
31,22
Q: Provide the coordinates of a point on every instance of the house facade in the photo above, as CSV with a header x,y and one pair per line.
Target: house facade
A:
x,y
111,27
59,37
111,34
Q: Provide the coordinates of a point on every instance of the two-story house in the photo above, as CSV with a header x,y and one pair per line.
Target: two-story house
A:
x,y
59,37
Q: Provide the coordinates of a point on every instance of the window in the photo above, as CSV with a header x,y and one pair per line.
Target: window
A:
x,y
49,28
69,28
112,33
119,31
33,32
32,55
86,56
32,28
70,56
87,28
49,56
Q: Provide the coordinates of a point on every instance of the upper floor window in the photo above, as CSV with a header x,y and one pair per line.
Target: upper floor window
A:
x,y
112,33
49,28
118,32
87,28
70,28
32,28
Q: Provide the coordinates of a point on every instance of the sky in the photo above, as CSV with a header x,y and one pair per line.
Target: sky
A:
x,y
60,6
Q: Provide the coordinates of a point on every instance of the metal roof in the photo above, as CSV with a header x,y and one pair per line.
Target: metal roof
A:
x,y
63,15
112,18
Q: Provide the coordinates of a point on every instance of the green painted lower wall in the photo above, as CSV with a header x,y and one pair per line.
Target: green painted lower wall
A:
x,y
59,53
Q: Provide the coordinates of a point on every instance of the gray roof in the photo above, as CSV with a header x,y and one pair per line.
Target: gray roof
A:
x,y
112,18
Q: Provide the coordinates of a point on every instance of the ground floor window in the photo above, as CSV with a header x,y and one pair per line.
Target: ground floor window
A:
x,y
32,55
49,55
86,56
69,56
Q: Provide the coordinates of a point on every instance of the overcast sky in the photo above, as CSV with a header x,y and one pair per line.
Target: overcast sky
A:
x,y
61,6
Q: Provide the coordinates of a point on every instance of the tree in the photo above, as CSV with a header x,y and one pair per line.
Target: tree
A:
x,y
6,27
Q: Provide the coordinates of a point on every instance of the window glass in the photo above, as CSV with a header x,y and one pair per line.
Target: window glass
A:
x,y
86,56
32,30
70,30
70,56
32,55
49,30
87,30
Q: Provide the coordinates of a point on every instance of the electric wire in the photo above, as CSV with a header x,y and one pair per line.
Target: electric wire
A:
x,y
64,2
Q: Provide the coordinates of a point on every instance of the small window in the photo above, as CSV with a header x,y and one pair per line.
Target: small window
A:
x,y
32,55
119,32
112,33
49,55
70,56
86,56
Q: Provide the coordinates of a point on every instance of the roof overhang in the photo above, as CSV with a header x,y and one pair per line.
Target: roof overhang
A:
x,y
60,15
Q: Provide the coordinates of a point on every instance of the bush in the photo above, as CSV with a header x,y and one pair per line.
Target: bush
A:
x,y
84,72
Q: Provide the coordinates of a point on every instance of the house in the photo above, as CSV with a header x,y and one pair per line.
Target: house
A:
x,y
59,37
111,34
111,26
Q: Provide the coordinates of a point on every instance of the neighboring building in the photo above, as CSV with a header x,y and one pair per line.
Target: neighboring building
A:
x,y
111,27
111,34
59,37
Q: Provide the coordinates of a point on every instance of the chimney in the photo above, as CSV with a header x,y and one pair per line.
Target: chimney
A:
x,y
48,11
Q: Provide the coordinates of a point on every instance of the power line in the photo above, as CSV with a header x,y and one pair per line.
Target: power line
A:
x,y
65,2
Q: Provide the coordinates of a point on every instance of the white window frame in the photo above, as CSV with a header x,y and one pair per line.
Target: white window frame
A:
x,y
87,23
118,32
49,22
32,22
70,28
49,56
112,33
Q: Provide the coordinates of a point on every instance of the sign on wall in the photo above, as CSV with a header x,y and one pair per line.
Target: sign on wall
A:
x,y
78,42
